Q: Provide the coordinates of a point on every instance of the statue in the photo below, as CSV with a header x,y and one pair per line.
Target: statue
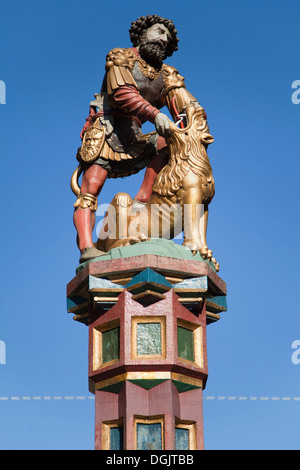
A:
x,y
137,84
181,188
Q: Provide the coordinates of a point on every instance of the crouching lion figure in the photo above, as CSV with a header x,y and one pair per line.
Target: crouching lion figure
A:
x,y
181,194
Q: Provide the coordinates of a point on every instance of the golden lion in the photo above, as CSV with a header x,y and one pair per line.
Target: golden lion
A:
x,y
180,196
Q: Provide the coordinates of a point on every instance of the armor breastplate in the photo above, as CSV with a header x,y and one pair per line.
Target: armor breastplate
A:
x,y
150,90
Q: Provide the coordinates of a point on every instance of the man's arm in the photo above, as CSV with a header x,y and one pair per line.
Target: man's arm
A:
x,y
89,120
128,99
122,88
124,94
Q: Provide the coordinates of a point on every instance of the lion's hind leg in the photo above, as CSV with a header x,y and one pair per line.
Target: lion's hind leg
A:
x,y
204,251
191,200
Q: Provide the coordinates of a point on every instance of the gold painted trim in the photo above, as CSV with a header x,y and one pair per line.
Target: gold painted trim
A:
x,y
106,299
133,376
179,289
111,381
174,280
80,317
98,290
78,308
149,376
190,299
209,305
143,283
187,380
87,201
120,280
213,316
141,295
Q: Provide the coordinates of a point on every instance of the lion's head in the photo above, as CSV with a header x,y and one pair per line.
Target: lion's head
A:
x,y
187,149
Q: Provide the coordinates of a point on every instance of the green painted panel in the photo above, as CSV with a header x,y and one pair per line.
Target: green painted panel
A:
x,y
115,388
156,246
73,302
185,339
148,276
183,387
147,383
149,436
116,438
182,439
110,345
148,338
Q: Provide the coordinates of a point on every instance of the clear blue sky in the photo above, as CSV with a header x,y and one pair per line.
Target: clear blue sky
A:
x,y
239,58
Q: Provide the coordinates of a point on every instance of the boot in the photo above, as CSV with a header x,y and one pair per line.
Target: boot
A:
x,y
84,221
90,253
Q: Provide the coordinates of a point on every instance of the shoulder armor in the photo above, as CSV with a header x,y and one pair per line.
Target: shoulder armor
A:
x,y
120,57
119,65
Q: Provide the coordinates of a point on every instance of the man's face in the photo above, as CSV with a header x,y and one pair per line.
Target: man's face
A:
x,y
154,42
158,32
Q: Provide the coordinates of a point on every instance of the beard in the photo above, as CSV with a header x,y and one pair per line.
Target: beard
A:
x,y
153,52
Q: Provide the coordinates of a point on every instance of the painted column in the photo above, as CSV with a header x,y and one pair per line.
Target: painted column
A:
x,y
147,317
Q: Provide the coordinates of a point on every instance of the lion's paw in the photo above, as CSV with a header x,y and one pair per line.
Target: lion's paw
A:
x,y
132,240
216,264
204,251
195,247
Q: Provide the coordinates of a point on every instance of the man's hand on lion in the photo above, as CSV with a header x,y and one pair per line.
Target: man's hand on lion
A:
x,y
162,124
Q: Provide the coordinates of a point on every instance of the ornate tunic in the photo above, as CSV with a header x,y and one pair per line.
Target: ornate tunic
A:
x,y
132,93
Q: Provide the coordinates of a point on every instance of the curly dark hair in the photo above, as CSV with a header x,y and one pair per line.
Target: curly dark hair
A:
x,y
144,22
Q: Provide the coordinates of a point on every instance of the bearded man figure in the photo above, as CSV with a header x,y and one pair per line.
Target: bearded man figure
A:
x,y
134,89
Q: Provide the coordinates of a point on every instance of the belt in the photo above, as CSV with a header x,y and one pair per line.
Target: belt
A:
x,y
114,113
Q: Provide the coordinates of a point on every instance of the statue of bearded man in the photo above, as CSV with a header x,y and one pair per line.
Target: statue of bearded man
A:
x,y
134,89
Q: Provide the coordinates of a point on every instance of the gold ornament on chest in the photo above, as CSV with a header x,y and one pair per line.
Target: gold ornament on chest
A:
x,y
147,70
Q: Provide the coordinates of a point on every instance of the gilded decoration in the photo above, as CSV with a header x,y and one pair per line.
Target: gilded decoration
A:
x,y
147,70
93,142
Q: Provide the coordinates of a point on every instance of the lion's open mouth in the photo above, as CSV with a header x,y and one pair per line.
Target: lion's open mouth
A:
x,y
182,120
